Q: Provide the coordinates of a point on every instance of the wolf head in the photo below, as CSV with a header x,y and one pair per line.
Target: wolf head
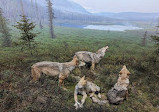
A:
x,y
102,50
82,82
124,73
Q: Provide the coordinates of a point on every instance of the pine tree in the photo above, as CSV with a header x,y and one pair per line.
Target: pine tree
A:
x,y
32,10
155,38
22,7
37,14
40,25
51,16
6,37
27,36
37,10
144,39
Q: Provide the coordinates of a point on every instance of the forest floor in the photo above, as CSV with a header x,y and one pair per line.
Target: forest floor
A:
x,y
19,93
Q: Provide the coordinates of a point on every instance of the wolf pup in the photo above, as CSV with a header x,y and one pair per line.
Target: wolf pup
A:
x,y
120,90
89,57
53,69
85,88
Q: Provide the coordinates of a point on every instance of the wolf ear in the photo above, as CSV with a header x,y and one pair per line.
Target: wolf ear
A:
x,y
83,78
128,73
120,72
124,66
74,56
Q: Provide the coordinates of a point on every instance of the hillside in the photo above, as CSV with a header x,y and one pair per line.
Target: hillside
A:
x,y
69,10
135,16
65,6
63,10
20,94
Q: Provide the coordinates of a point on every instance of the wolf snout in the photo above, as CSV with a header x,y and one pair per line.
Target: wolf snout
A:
x,y
107,48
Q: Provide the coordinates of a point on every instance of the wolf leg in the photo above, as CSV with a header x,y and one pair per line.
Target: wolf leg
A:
x,y
35,73
99,95
92,94
100,102
83,99
61,80
93,66
77,104
127,95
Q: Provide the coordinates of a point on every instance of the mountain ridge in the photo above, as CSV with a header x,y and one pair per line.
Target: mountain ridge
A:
x,y
65,5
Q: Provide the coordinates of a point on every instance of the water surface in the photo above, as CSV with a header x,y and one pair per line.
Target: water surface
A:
x,y
102,27
112,27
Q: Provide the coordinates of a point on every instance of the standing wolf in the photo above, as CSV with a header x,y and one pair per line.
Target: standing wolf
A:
x,y
85,88
53,69
120,90
89,57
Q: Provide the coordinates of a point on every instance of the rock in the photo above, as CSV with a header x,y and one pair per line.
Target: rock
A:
x,y
116,97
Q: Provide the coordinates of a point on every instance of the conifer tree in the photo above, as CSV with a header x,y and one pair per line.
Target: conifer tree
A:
x,y
6,37
22,7
27,36
32,10
144,39
40,25
51,16
155,38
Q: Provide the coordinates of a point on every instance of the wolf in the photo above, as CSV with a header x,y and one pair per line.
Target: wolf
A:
x,y
89,57
119,92
53,69
85,88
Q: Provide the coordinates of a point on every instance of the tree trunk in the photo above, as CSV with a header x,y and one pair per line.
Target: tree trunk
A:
x,y
51,16
5,31
37,10
21,3
144,39
32,10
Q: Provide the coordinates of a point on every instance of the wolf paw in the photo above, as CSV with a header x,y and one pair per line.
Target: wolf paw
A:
x,y
81,105
77,105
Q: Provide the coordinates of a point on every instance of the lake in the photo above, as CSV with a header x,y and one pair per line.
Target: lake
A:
x,y
103,27
112,27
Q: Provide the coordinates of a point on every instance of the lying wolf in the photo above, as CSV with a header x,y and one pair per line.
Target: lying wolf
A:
x,y
89,57
120,90
53,69
85,88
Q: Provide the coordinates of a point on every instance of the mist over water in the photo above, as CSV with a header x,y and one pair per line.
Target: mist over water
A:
x,y
103,27
112,27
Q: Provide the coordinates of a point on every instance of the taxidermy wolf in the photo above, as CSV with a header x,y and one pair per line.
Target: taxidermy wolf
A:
x,y
53,69
85,88
89,57
119,92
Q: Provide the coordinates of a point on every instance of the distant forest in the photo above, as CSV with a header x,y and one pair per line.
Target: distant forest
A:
x,y
12,9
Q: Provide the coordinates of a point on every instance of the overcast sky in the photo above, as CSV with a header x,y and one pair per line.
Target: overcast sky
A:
x,y
120,5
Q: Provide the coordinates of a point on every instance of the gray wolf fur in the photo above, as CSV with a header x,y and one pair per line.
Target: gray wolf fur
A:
x,y
89,57
85,88
120,90
53,69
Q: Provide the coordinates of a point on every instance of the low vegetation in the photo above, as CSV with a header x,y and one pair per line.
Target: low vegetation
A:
x,y
19,93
